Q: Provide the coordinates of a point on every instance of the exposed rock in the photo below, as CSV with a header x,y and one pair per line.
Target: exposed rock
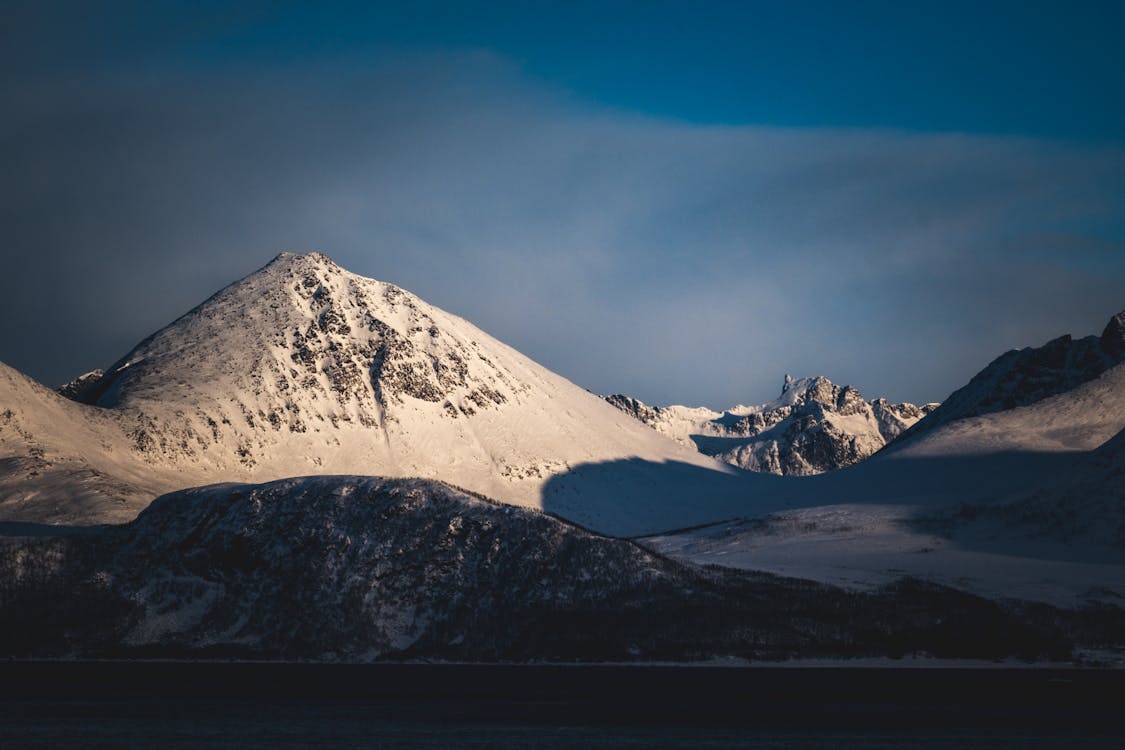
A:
x,y
635,408
1113,337
1024,376
79,388
304,368
814,426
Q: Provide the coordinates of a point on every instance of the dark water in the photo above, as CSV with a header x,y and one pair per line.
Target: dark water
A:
x,y
228,705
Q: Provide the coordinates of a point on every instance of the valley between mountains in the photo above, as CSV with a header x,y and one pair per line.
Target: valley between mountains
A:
x,y
316,465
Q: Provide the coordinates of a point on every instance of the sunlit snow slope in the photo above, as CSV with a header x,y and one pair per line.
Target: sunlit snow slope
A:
x,y
304,368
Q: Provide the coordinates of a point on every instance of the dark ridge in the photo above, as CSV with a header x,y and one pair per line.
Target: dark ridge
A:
x,y
1024,376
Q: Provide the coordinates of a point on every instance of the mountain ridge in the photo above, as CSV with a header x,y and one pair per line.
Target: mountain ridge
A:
x,y
812,427
304,368
1021,377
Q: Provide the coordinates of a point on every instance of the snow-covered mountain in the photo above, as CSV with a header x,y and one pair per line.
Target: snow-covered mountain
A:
x,y
63,462
303,368
1024,376
814,426
1024,502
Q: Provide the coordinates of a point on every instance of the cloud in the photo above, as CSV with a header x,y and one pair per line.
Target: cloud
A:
x,y
676,262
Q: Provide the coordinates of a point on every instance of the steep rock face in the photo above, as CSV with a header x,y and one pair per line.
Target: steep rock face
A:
x,y
1113,337
79,389
894,419
1025,376
304,368
814,426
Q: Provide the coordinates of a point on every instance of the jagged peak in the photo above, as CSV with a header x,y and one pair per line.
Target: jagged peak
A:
x,y
1113,335
1021,377
80,388
815,425
798,390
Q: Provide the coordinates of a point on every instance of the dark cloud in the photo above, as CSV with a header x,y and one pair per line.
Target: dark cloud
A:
x,y
677,262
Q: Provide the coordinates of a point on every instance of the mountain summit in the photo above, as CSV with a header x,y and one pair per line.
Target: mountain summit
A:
x,y
813,426
304,368
1022,377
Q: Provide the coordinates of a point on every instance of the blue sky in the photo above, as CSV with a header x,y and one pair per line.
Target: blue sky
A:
x,y
1025,67
680,201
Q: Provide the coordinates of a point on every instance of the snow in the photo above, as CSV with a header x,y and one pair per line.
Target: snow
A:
x,y
1080,419
813,426
865,547
902,512
303,368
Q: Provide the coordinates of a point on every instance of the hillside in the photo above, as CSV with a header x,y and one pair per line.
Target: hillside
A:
x,y
364,568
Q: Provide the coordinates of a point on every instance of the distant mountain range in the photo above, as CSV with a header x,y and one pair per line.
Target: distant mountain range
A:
x,y
814,426
385,479
1014,487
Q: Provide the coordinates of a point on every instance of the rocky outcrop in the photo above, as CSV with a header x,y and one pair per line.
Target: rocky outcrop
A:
x,y
814,426
1022,377
1113,337
81,387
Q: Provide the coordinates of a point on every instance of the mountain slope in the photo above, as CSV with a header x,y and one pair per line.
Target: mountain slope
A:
x,y
814,426
304,368
1023,502
360,569
64,462
1024,376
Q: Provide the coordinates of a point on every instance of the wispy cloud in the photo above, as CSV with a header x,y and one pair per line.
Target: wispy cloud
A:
x,y
676,262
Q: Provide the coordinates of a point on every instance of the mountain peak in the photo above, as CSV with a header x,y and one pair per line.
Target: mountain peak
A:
x,y
308,338
305,368
1113,336
1022,377
312,260
814,426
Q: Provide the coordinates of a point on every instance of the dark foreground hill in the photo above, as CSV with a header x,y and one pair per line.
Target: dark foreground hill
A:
x,y
366,569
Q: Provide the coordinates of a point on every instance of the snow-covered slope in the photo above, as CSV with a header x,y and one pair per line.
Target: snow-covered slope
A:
x,y
814,426
1079,419
1026,502
65,462
1024,376
303,368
